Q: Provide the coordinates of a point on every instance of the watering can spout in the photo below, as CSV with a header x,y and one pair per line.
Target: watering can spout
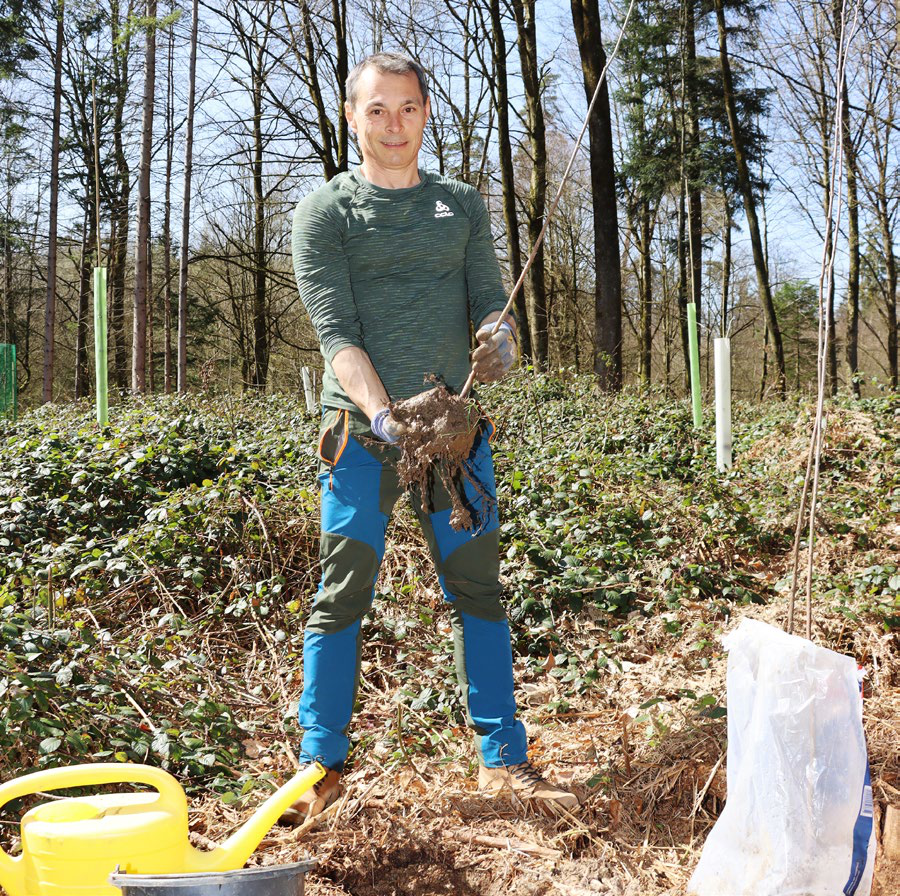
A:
x,y
232,854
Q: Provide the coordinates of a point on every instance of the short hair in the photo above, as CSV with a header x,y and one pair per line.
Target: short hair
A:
x,y
386,63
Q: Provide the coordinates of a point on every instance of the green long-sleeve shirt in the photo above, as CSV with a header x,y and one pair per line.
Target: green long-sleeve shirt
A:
x,y
398,273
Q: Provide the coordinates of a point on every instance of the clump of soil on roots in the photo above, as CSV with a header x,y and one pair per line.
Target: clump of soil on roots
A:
x,y
441,429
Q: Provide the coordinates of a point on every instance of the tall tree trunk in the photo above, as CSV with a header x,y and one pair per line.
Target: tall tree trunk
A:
x,y
831,360
167,217
119,265
537,195
887,241
139,347
88,236
608,282
668,332
683,290
186,210
852,247
726,267
8,293
342,69
50,308
466,128
576,316
695,202
121,214
151,308
500,85
890,297
695,245
645,330
260,321
29,307
331,147
825,121
329,161
759,261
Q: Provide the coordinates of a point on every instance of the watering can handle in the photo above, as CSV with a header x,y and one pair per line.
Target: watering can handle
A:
x,y
91,776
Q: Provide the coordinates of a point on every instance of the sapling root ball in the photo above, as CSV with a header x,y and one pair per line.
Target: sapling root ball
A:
x,y
440,431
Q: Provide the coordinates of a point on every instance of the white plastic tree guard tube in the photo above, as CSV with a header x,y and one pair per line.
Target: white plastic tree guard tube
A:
x,y
723,403
309,389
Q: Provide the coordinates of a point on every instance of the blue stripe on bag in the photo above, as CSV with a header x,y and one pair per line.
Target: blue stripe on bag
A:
x,y
862,833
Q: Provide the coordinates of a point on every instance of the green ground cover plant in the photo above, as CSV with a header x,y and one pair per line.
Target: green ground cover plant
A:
x,y
154,577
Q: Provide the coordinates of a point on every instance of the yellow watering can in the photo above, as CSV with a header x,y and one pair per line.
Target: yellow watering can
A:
x,y
70,846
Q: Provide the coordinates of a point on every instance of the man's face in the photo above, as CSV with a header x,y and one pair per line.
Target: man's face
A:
x,y
389,118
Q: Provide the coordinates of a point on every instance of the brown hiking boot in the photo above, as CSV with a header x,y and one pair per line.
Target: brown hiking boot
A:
x,y
317,799
526,782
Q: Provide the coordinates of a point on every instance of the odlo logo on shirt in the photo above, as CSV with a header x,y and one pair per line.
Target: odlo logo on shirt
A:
x,y
442,211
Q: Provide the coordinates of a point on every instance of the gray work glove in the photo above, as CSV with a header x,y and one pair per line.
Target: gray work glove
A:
x,y
386,428
495,353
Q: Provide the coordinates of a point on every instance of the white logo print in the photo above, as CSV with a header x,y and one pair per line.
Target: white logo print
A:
x,y
442,211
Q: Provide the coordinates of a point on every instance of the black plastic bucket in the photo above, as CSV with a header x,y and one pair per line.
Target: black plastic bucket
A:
x,y
277,880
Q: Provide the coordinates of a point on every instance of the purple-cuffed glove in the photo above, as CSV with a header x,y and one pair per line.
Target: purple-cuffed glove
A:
x,y
386,428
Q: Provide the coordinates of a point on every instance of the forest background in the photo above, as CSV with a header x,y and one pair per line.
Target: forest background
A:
x,y
706,168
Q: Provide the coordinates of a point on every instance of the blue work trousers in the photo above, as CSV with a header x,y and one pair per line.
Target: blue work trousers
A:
x,y
359,487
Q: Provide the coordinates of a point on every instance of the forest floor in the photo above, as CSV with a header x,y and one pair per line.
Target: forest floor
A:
x,y
155,581
651,792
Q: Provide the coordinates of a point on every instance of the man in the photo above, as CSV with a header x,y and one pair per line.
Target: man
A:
x,y
392,264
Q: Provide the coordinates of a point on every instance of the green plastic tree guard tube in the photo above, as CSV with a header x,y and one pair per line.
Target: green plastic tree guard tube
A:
x,y
100,346
694,352
9,391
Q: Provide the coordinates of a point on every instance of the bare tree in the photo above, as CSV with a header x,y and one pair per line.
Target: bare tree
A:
x,y
256,66
852,166
500,84
256,51
759,259
536,204
608,282
690,155
84,285
50,308
809,100
167,216
139,346
121,217
186,207
880,174
317,53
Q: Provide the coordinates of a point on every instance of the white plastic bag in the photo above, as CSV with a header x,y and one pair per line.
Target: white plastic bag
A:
x,y
798,817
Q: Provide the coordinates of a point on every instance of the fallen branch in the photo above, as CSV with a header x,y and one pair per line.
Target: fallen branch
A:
x,y
550,716
143,715
531,849
706,786
312,822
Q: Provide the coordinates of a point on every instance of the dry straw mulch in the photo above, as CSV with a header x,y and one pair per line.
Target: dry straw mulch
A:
x,y
419,827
